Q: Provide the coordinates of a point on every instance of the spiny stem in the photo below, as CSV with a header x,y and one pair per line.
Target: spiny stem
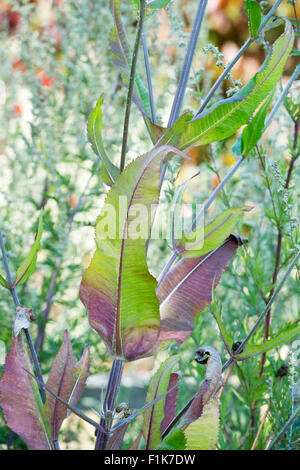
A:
x,y
177,103
112,391
17,303
131,84
187,63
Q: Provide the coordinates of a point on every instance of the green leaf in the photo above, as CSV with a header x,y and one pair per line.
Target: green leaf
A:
x,y
205,239
94,130
3,282
224,118
29,263
253,132
252,350
254,14
154,416
237,147
157,4
174,441
203,433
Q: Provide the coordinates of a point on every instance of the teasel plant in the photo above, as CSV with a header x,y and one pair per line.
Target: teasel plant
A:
x,y
136,314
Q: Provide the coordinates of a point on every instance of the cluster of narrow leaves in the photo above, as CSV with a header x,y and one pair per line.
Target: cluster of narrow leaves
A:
x,y
36,423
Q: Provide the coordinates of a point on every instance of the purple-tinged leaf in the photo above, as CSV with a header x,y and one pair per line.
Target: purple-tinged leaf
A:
x,y
155,417
20,399
80,375
75,410
67,381
115,441
170,403
187,289
117,288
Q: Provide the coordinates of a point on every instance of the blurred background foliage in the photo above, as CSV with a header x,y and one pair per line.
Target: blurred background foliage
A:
x,y
55,64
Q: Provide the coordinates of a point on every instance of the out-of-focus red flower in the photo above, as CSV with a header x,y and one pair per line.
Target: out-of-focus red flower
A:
x,y
45,80
17,111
